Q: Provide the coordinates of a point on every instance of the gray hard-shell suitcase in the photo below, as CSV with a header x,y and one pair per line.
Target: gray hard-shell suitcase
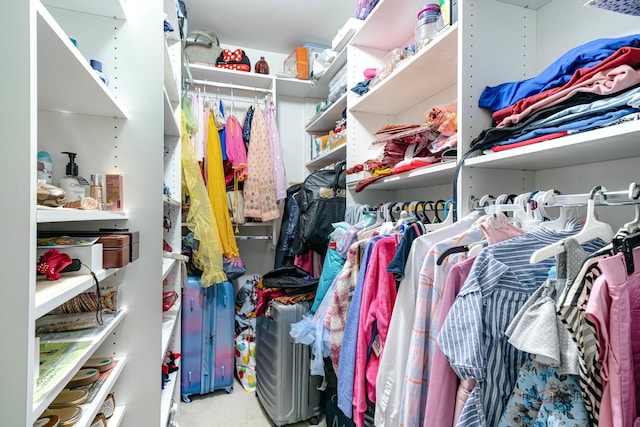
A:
x,y
285,386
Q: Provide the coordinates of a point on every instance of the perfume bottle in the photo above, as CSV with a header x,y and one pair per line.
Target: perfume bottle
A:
x,y
261,66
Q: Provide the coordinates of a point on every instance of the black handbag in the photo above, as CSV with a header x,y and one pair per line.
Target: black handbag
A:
x,y
322,201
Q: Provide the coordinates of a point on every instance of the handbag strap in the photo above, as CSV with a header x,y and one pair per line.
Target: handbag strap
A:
x,y
200,33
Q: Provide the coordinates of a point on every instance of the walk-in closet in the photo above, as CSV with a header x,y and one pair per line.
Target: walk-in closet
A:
x,y
347,213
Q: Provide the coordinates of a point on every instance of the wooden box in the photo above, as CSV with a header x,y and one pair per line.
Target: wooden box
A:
x,y
115,250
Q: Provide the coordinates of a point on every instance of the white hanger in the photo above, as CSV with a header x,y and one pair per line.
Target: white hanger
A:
x,y
593,229
447,221
560,222
634,194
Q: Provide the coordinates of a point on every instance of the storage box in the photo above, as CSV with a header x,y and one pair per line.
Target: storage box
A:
x,y
116,250
313,51
297,63
134,238
89,255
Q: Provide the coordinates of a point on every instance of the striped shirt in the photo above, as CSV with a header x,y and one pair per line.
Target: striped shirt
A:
x,y
428,304
472,336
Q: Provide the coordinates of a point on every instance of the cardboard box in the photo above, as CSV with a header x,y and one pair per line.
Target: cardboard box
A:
x,y
297,63
89,255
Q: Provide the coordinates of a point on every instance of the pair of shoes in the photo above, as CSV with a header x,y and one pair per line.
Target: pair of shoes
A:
x,y
52,262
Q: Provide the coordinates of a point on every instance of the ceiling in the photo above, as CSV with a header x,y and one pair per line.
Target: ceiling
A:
x,y
272,25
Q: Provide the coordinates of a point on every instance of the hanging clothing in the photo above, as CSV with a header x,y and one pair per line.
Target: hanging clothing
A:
x,y
217,191
279,175
428,305
394,360
236,151
259,188
378,298
547,391
246,125
200,134
441,409
200,217
336,317
614,306
501,280
347,363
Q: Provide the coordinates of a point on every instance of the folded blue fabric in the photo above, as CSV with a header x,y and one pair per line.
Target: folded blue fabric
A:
x,y
556,74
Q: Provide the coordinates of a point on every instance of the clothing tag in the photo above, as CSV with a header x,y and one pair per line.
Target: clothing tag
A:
x,y
376,346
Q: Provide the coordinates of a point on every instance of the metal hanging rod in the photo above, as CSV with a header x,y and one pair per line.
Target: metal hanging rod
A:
x,y
231,86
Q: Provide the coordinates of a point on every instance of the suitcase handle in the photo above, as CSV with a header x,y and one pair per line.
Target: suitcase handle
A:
x,y
189,377
222,372
191,305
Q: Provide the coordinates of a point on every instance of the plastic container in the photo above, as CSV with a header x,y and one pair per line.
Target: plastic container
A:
x,y
429,24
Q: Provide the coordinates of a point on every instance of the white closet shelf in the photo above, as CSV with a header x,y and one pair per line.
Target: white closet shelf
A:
x,y
300,88
169,322
609,143
167,265
90,410
66,82
109,8
95,337
171,83
376,31
68,215
434,67
231,77
167,393
438,174
336,154
116,418
332,70
50,294
326,120
171,125
172,17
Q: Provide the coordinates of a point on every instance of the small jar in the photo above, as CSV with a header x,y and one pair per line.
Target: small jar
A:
x,y
429,24
261,66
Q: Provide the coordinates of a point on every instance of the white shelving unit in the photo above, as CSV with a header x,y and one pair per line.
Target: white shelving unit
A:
x,y
95,337
458,65
53,101
172,206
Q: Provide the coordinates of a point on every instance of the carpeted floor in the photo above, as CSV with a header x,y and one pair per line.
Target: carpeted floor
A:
x,y
238,409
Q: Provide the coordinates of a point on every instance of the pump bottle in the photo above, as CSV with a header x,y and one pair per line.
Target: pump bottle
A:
x,y
73,185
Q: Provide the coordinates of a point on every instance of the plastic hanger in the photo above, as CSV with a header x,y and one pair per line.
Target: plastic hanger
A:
x,y
634,194
560,222
446,222
593,229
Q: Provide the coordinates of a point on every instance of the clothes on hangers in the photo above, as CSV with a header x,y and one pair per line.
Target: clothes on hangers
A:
x,y
390,380
428,304
500,282
279,174
217,191
259,187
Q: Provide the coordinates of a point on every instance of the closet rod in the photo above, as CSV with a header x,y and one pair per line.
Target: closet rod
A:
x,y
606,198
231,86
253,237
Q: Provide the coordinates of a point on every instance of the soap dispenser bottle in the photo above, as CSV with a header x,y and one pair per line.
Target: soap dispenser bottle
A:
x,y
73,185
